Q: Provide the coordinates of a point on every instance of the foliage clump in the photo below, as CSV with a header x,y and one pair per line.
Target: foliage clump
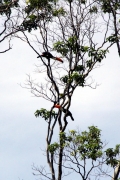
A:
x,y
87,145
75,77
65,47
58,12
6,5
45,114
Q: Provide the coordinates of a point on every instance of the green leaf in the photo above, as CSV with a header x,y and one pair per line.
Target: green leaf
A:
x,y
45,114
93,9
53,147
64,79
58,12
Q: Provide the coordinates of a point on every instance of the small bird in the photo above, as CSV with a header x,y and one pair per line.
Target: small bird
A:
x,y
48,55
67,112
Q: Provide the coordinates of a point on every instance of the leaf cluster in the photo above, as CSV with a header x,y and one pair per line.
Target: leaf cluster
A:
x,y
96,55
6,5
81,1
65,47
85,145
88,143
53,147
79,68
58,12
77,76
5,9
40,10
30,23
63,139
45,114
43,8
74,77
94,9
113,38
71,44
108,7
112,154
41,4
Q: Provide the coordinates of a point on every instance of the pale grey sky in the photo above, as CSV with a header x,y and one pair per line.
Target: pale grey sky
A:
x,y
22,135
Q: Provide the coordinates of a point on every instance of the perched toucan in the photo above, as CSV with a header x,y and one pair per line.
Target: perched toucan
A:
x,y
48,55
67,112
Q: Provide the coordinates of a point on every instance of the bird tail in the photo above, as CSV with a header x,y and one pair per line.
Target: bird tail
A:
x,y
72,118
58,59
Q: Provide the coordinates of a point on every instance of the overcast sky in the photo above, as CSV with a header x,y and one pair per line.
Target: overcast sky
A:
x,y
22,135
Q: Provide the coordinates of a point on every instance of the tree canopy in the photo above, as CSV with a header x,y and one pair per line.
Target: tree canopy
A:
x,y
78,33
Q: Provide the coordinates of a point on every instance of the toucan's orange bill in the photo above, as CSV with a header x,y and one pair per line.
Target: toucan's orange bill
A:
x,y
57,106
59,59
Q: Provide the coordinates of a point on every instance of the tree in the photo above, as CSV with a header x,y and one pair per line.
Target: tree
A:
x,y
111,8
7,10
85,154
71,29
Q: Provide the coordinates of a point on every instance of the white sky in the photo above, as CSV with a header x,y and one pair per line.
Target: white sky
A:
x,y
22,135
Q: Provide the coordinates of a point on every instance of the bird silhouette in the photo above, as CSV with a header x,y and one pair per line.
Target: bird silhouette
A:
x,y
48,55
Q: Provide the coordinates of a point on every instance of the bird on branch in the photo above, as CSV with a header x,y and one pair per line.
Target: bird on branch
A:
x,y
48,55
67,112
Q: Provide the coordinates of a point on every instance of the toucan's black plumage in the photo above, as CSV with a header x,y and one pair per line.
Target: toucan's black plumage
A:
x,y
67,112
48,55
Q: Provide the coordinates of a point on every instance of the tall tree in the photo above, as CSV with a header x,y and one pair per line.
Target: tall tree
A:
x,y
76,33
85,155
111,10
7,12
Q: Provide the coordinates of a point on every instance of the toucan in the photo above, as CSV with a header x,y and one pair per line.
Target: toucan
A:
x,y
67,112
48,55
